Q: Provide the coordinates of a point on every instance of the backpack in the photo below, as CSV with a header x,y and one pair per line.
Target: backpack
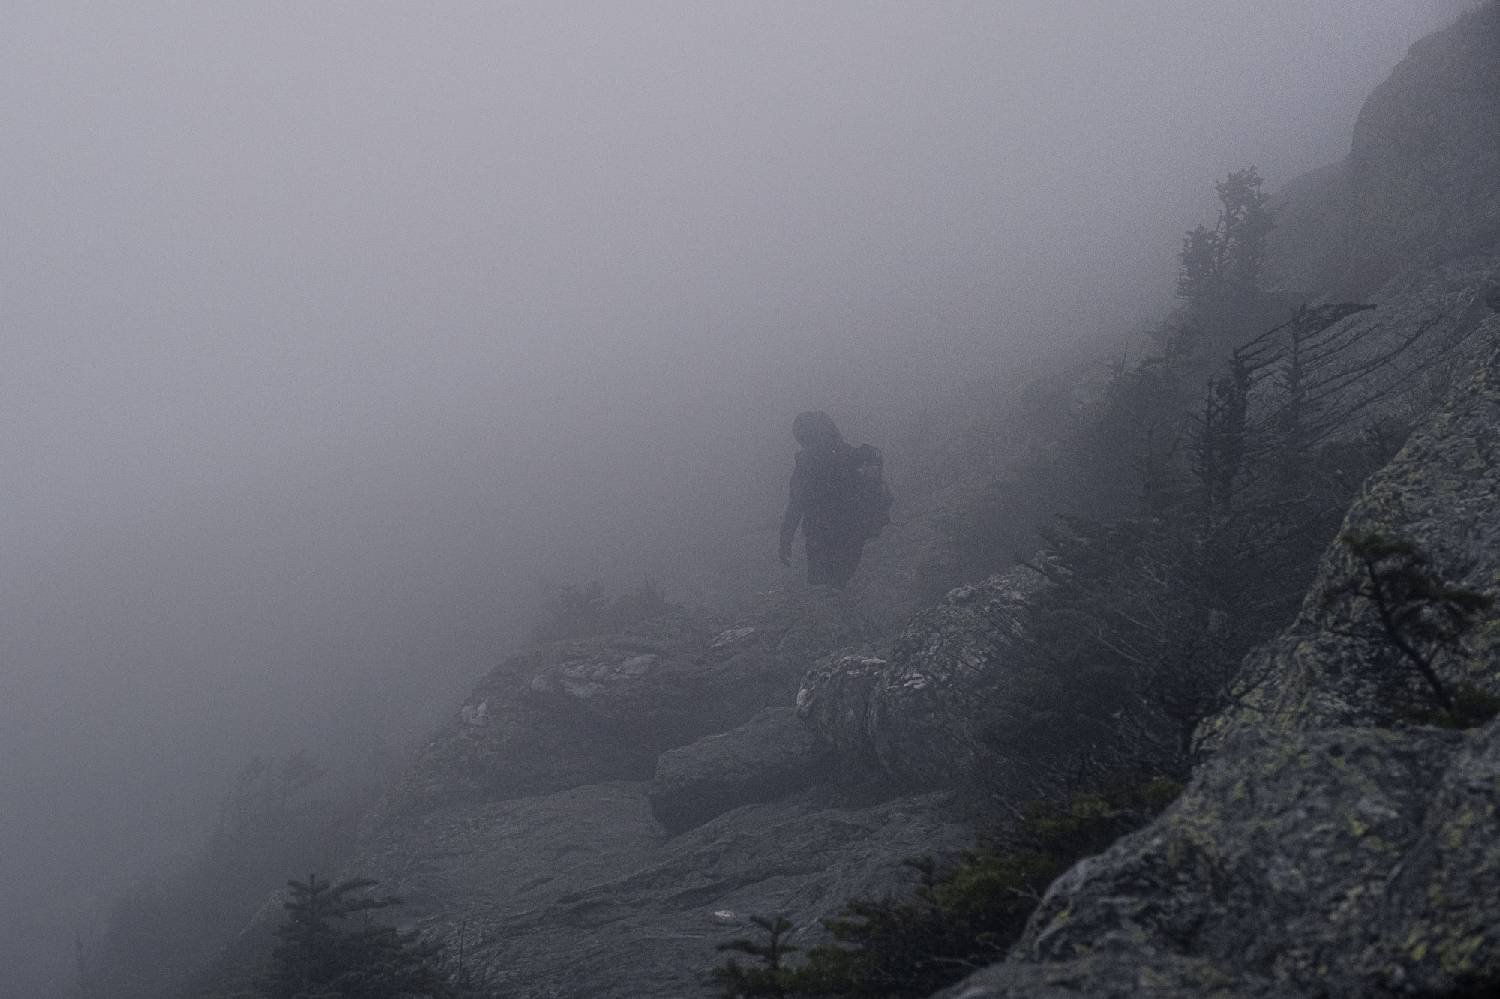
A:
x,y
870,499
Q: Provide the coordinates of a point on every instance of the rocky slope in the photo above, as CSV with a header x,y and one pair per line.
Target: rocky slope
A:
x,y
1327,849
600,813
1332,846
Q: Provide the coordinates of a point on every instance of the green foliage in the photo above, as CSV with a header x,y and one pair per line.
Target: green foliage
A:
x,y
1224,262
1149,616
771,977
582,611
954,923
1219,281
1414,623
330,948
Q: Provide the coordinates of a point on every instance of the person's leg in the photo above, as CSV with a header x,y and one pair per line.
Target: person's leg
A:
x,y
820,560
840,566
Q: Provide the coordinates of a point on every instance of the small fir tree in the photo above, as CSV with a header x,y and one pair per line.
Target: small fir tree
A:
x,y
951,924
331,949
1225,261
769,977
1414,623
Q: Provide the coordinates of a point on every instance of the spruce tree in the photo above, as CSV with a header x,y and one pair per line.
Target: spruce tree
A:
x,y
331,948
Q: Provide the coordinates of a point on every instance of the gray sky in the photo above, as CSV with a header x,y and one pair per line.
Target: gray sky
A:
x,y
327,328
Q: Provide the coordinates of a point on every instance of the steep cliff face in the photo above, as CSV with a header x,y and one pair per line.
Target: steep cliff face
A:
x,y
1439,495
1334,845
1419,184
1327,849
1340,863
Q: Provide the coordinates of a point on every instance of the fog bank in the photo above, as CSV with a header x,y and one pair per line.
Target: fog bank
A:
x,y
330,330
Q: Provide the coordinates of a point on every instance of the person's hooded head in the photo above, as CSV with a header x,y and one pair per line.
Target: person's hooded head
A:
x,y
815,430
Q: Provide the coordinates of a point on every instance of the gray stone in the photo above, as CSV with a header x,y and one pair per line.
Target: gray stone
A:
x,y
663,687
1439,494
1344,863
955,701
835,702
527,829
771,756
603,709
581,893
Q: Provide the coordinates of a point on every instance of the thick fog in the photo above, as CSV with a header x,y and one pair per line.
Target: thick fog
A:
x,y
330,331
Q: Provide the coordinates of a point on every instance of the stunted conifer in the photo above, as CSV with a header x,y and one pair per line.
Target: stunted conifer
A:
x,y
331,948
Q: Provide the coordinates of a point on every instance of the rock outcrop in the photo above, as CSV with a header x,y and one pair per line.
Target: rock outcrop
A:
x,y
952,702
1439,494
582,893
1327,849
1418,186
1333,846
603,709
1349,862
601,813
771,756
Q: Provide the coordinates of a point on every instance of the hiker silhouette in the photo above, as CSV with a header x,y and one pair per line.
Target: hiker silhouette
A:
x,y
837,498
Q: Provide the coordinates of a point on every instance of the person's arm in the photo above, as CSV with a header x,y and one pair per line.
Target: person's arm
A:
x,y
793,516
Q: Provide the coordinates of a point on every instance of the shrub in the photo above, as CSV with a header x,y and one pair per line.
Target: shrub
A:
x,y
1412,625
951,924
331,948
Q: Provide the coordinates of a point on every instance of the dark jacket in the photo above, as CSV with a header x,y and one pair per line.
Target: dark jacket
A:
x,y
819,494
